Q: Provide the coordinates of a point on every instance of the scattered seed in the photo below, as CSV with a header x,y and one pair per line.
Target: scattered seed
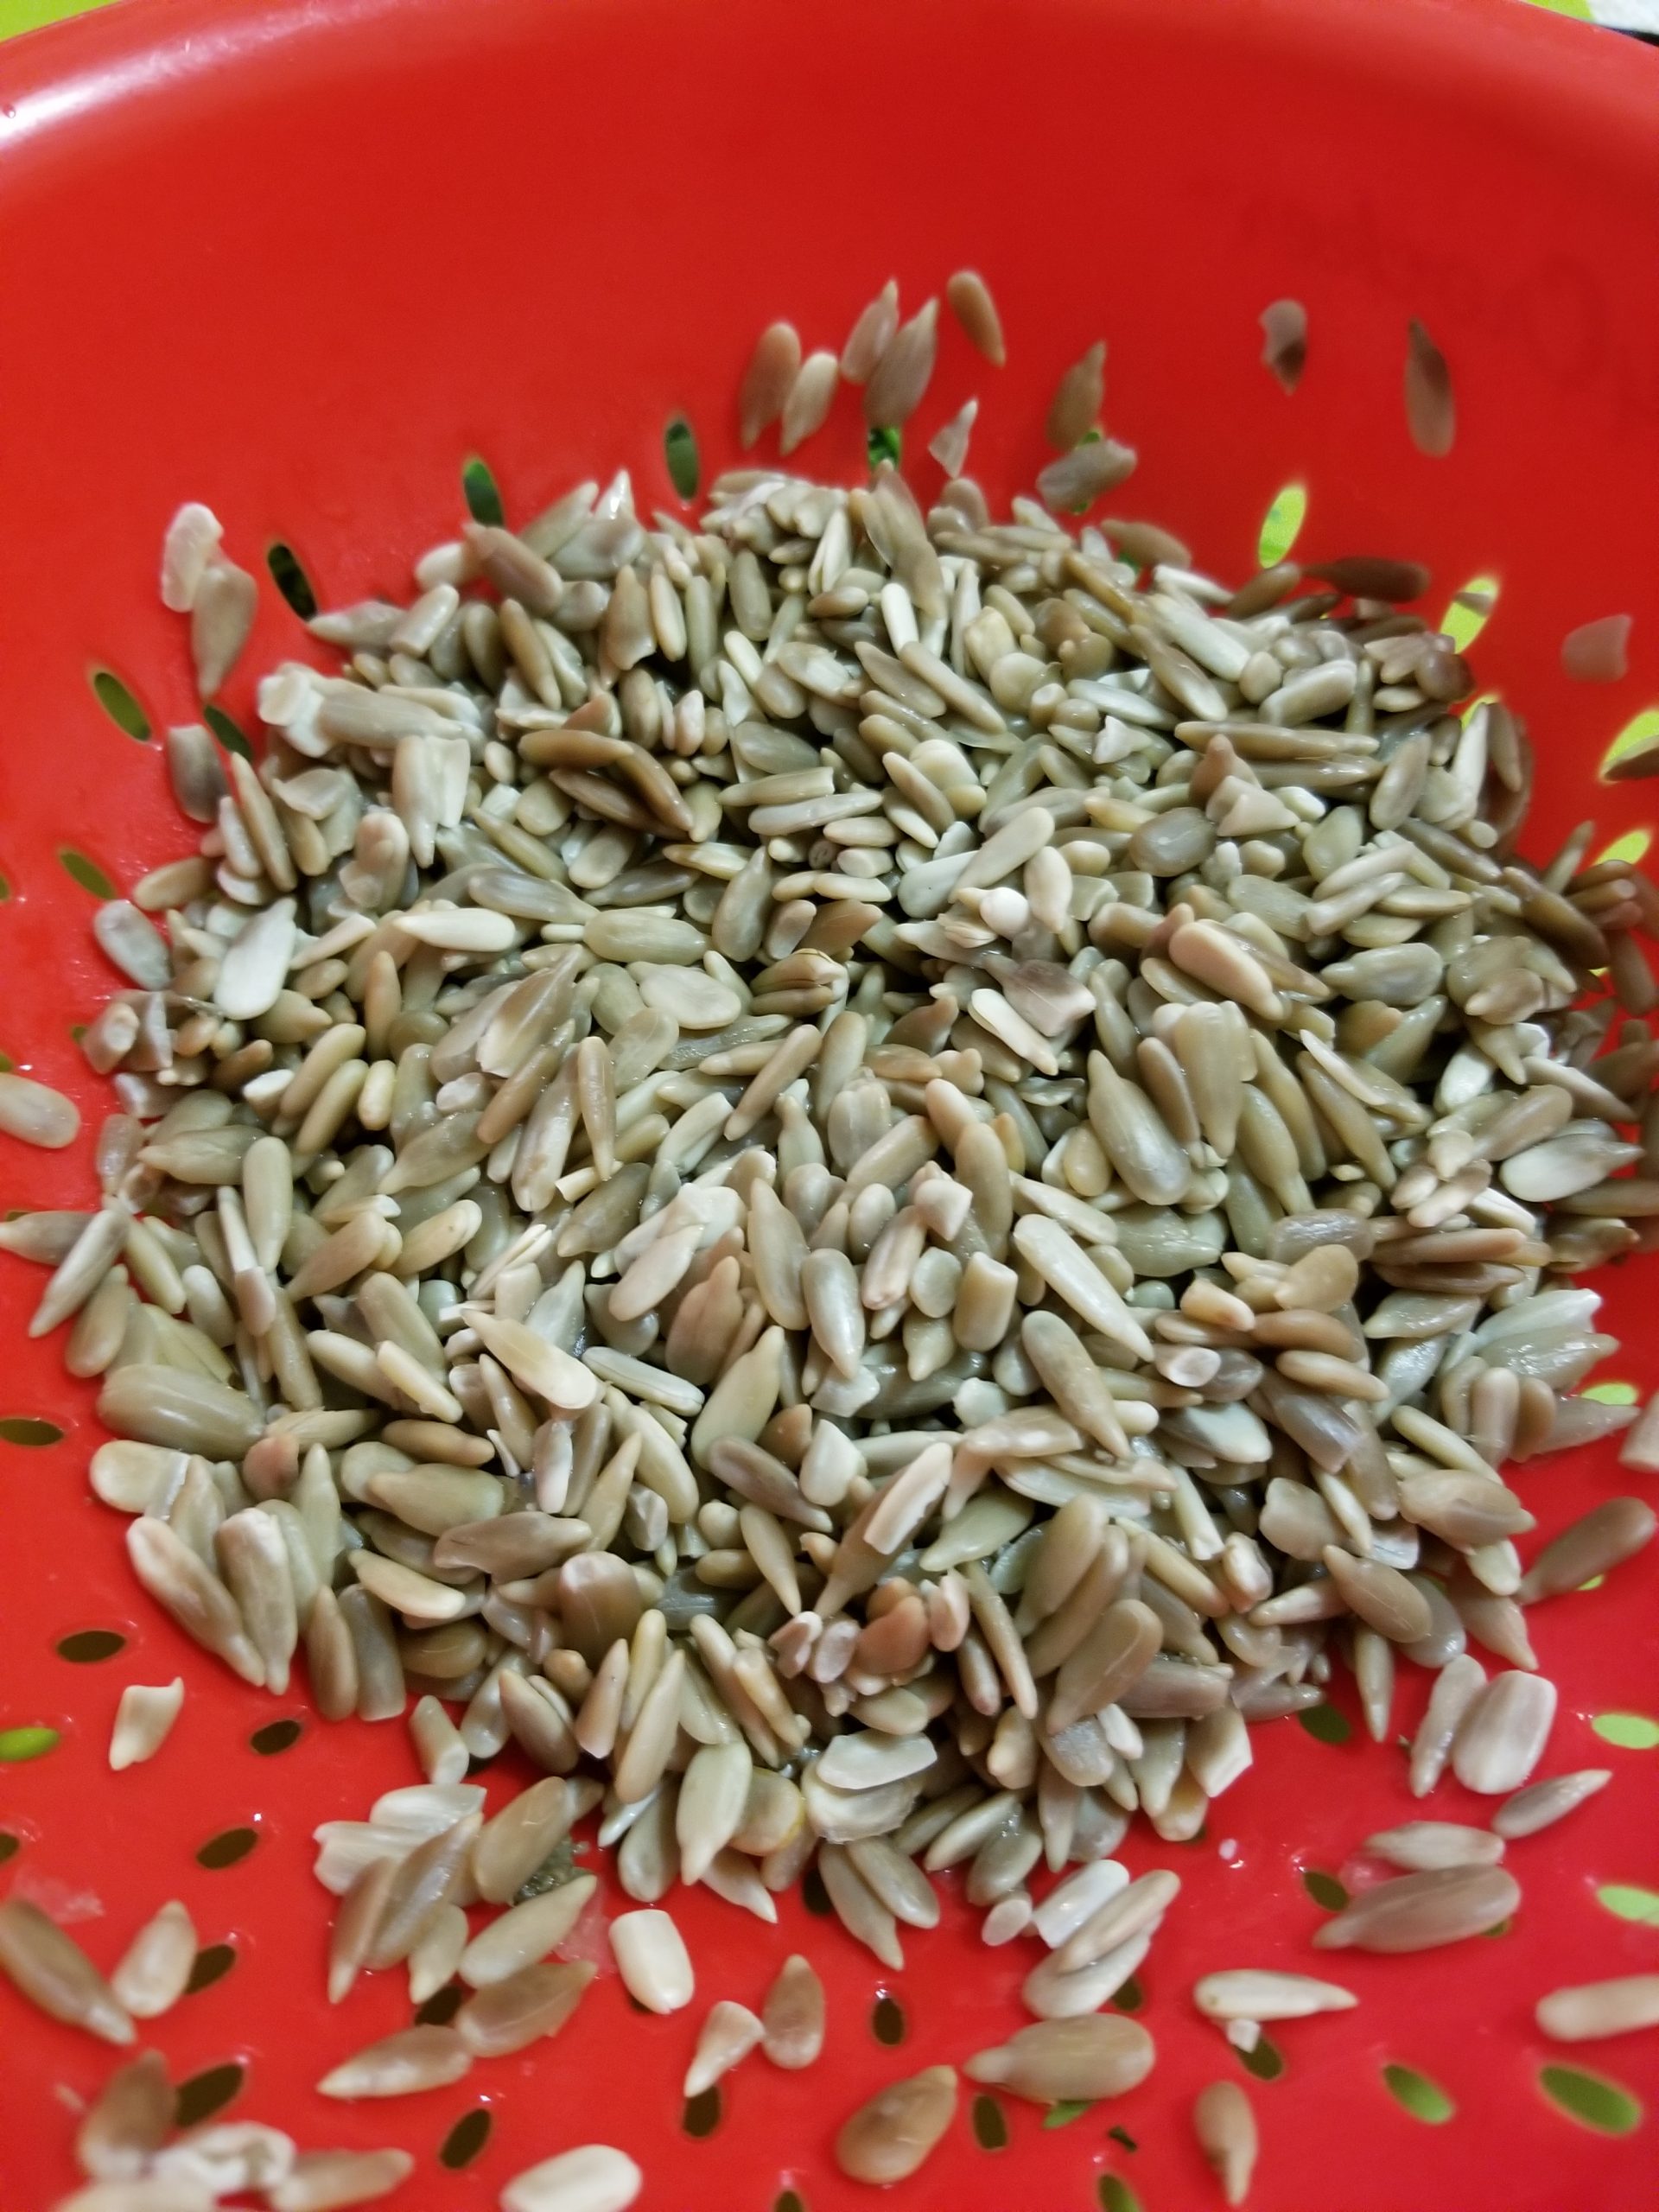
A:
x,y
143,1720
1600,2008
1418,1911
51,1971
1542,1803
971,304
1223,2121
594,2178
155,1969
1099,2055
652,1960
889,2137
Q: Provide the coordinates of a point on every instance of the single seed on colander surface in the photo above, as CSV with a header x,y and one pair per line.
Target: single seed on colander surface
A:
x,y
1224,2119
1600,2008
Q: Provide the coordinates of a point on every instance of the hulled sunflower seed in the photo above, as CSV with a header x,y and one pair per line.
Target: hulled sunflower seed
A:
x,y
1223,2121
51,1971
652,1960
320,2181
1100,2055
793,2015
155,1969
1600,2008
594,2178
143,1720
1418,1911
727,2036
400,2065
1260,1994
890,2138
1542,1803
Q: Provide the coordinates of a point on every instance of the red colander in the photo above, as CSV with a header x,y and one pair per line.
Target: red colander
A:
x,y
303,258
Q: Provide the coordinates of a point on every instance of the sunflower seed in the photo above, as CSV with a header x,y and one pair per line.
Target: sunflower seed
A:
x,y
1502,1737
1224,2122
143,1720
1542,1803
52,1972
888,2138
319,2181
1258,1993
400,2065
652,1960
1057,2061
972,305
594,2178
1600,2008
1416,1912
522,2007
793,2015
155,1969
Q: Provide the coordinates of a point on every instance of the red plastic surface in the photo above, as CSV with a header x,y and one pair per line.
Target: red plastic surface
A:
x,y
298,261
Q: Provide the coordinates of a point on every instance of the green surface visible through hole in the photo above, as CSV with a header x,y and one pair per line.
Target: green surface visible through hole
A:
x,y
1326,1892
1464,624
466,2139
1281,524
1264,2060
1612,1393
28,1429
211,1965
884,445
228,733
120,705
206,2093
1631,1731
291,580
10,1846
19,1744
89,1645
1325,1725
1423,2099
87,874
1640,731
788,2202
1116,2195
1592,2100
702,2114
481,492
680,452
1067,2109
1626,1902
441,2006
1629,848
559,1867
990,2124
887,2020
226,1849
276,1736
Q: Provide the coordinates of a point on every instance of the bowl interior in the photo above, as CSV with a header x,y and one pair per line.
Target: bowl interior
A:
x,y
302,264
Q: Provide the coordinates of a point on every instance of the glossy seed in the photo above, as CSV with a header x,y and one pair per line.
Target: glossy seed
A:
x,y
890,2138
1417,1912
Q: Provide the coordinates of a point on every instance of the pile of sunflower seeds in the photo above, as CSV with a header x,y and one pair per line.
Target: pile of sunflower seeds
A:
x,y
869,1176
